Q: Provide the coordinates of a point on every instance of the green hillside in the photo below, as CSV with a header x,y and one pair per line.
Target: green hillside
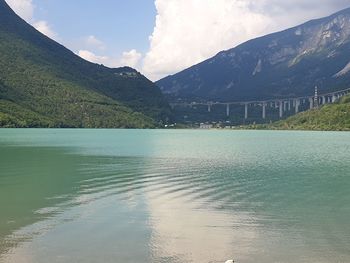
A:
x,y
43,84
335,117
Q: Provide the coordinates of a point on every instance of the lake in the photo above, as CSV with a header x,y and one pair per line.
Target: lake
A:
x,y
174,196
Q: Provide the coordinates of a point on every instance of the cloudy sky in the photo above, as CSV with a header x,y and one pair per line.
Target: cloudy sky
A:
x,y
162,37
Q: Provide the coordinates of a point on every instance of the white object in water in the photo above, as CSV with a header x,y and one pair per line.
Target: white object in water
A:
x,y
230,261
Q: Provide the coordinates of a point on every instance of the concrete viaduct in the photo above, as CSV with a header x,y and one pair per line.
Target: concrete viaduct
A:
x,y
282,104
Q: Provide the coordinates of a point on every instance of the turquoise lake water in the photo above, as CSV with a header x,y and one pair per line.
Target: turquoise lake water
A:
x,y
174,196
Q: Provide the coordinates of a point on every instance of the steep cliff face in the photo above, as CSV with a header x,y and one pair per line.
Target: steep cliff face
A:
x,y
287,63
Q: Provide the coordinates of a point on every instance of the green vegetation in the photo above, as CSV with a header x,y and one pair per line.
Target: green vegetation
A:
x,y
331,117
43,84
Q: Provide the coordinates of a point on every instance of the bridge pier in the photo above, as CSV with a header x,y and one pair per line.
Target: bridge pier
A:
x,y
264,110
311,102
245,111
333,98
281,109
297,104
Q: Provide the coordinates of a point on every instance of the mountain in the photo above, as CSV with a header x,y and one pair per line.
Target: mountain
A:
x,y
284,64
332,117
43,84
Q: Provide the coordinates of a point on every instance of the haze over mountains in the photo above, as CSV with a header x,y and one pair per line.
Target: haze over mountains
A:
x,y
43,84
284,64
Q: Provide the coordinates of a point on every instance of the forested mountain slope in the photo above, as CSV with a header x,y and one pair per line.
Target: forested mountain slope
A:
x,y
43,84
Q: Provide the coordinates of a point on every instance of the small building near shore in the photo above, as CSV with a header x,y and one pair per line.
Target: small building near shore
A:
x,y
205,126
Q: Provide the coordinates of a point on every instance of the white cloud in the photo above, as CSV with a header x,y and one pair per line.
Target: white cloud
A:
x,y
92,57
131,58
298,11
25,9
93,42
44,28
190,31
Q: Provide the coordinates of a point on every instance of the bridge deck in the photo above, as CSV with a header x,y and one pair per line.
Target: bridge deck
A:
x,y
277,100
281,104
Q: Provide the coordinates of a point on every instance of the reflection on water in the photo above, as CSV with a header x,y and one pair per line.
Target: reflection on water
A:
x,y
30,187
173,196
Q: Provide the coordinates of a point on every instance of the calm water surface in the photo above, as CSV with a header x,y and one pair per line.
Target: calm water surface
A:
x,y
174,196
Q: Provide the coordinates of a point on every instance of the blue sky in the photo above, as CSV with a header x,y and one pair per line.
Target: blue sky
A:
x,y
122,25
162,37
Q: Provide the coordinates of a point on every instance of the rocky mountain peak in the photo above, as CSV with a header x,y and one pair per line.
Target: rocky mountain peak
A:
x,y
285,63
